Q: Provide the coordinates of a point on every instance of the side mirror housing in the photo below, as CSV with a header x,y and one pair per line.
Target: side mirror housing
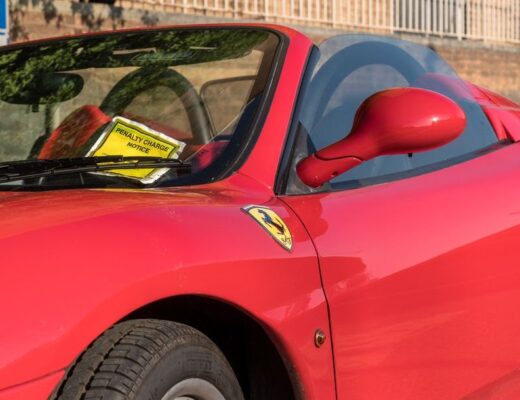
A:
x,y
393,121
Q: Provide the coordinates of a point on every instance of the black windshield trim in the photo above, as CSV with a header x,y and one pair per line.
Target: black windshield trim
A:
x,y
29,169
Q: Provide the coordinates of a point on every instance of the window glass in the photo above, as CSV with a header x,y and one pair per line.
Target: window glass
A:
x,y
235,91
162,105
350,68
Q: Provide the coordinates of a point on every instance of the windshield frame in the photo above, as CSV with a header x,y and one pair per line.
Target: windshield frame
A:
x,y
224,165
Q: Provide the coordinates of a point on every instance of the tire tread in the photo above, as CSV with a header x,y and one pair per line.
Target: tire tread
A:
x,y
114,365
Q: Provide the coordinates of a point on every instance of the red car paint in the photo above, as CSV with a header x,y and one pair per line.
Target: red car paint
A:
x,y
420,274
142,270
422,280
503,114
40,388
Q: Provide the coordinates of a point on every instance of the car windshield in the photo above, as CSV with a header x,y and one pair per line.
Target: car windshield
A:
x,y
181,101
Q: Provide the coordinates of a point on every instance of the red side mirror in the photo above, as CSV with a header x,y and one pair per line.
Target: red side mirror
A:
x,y
394,121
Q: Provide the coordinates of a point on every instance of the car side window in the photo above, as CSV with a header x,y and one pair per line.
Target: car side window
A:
x,y
349,69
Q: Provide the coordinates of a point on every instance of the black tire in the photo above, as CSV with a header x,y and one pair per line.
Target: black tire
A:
x,y
144,360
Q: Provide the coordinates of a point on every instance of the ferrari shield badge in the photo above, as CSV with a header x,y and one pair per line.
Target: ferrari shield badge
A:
x,y
273,224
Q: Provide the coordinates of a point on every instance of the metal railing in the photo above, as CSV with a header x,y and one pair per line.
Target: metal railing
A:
x,y
493,20
490,20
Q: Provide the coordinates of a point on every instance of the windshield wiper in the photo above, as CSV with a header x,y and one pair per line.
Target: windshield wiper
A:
x,y
27,169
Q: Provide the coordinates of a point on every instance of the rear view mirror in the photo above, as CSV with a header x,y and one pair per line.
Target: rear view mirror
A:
x,y
393,121
43,88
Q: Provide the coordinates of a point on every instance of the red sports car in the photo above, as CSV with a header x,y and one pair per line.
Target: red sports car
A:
x,y
229,212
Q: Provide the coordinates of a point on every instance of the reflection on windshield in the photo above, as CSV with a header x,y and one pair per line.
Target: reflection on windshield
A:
x,y
132,94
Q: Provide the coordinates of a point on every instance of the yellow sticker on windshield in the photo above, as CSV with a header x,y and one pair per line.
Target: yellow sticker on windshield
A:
x,y
273,224
129,138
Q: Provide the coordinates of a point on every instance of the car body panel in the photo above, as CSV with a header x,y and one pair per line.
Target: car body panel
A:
x,y
138,254
503,114
40,388
421,276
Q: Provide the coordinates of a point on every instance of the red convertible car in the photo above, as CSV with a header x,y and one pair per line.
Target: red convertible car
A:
x,y
229,212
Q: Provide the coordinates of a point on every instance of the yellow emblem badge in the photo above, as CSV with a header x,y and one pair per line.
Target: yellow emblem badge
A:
x,y
273,224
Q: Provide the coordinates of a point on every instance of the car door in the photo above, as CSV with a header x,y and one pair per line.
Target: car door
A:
x,y
419,253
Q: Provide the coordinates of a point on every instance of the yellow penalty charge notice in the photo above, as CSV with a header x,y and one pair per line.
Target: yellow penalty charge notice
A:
x,y
132,139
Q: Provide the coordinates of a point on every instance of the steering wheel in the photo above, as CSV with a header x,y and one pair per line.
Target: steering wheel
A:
x,y
145,78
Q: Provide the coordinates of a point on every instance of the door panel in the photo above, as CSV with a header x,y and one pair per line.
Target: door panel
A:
x,y
423,280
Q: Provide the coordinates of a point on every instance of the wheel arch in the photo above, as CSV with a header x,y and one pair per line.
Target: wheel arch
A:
x,y
260,364
262,368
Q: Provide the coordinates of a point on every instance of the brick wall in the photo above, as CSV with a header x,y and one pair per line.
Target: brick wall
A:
x,y
495,68
491,66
